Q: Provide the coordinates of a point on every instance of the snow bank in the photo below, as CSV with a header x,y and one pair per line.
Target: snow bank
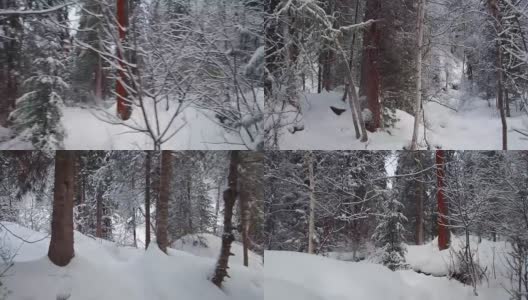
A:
x,y
208,245
489,255
473,126
102,270
325,278
296,276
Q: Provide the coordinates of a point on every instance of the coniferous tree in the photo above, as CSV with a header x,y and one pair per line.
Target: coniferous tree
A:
x,y
389,234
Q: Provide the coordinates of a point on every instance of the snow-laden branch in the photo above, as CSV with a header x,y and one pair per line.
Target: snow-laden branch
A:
x,y
8,12
357,26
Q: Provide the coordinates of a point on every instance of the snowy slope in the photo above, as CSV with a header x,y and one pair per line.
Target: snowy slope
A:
x,y
99,129
102,270
474,126
208,245
291,275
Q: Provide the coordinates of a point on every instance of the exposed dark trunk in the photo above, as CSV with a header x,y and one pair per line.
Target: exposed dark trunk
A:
x,y
147,198
370,83
443,232
162,207
123,108
495,12
230,195
61,244
99,214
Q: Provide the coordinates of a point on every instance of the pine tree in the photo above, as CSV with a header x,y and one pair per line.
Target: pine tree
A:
x,y
389,234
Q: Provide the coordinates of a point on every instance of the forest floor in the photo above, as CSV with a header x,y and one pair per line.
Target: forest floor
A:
x,y
103,270
301,276
86,129
462,122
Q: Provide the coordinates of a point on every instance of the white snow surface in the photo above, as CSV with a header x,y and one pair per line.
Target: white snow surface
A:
x,y
301,276
103,270
86,129
475,125
208,245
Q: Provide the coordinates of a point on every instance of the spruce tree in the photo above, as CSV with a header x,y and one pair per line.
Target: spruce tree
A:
x,y
38,111
389,234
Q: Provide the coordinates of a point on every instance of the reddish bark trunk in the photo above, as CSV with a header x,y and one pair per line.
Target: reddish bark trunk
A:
x,y
61,245
443,233
371,75
123,109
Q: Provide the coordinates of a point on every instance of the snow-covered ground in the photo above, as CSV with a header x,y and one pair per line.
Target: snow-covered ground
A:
x,y
301,276
86,129
103,270
473,126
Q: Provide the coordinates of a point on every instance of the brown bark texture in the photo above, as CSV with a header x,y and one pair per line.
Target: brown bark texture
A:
x,y
371,74
61,245
123,109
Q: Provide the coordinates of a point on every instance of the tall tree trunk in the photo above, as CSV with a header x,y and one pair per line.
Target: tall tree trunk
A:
x,y
61,245
147,198
420,208
162,207
99,214
418,100
370,65
353,99
507,103
134,226
495,12
443,232
99,81
311,220
123,108
230,196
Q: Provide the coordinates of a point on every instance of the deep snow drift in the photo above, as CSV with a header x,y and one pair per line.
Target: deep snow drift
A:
x,y
473,126
300,276
103,270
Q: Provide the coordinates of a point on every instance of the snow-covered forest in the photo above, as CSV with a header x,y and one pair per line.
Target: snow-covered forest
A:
x,y
393,75
131,225
396,225
131,74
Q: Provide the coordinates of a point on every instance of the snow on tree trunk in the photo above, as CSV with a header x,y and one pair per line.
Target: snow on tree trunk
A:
x,y
418,100
123,109
443,233
61,243
162,207
353,99
230,196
